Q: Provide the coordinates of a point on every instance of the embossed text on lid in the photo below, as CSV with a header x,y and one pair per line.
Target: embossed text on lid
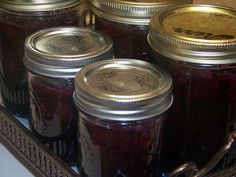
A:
x,y
204,32
81,44
52,50
123,88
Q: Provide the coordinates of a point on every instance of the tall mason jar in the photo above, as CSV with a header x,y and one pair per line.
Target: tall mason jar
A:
x,y
121,106
196,44
127,21
52,58
18,19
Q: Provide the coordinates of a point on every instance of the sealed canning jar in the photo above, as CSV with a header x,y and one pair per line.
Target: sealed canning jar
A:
x,y
197,45
127,21
121,106
18,19
52,57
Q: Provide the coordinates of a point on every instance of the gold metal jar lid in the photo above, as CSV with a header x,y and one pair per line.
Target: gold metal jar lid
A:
x,y
123,90
203,34
63,51
131,11
32,6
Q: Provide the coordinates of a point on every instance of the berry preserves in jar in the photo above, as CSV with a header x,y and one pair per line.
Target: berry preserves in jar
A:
x,y
18,19
200,54
126,22
121,106
52,57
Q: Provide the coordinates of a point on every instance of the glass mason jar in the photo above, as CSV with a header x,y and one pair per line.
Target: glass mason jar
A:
x,y
127,21
196,44
52,57
121,106
18,19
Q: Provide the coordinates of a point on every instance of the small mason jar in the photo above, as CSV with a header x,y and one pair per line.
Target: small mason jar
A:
x,y
121,106
52,57
196,44
18,19
127,21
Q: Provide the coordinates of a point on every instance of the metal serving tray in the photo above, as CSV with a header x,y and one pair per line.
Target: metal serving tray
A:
x,y
40,161
28,150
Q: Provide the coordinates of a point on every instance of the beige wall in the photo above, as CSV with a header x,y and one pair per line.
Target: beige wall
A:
x,y
229,3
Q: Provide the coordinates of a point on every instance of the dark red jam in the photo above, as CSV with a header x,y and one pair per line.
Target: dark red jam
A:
x,y
119,148
130,41
127,23
203,112
201,60
121,106
14,30
53,114
52,57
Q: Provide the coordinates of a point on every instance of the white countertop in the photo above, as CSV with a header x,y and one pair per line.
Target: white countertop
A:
x,y
8,161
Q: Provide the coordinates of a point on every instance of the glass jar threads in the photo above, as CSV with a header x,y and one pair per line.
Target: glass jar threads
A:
x,y
197,45
18,19
127,21
121,105
52,57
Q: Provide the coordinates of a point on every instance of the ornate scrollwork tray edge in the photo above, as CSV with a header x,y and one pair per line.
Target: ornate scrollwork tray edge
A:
x,y
28,150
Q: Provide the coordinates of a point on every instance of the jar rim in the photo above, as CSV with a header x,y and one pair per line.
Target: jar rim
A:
x,y
131,12
43,7
123,89
62,51
198,43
